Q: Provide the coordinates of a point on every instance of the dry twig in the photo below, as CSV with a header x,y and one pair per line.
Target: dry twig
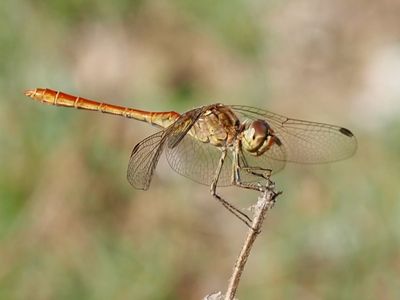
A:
x,y
265,202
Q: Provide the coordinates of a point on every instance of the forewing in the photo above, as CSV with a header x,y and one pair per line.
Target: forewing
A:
x,y
304,141
144,159
198,161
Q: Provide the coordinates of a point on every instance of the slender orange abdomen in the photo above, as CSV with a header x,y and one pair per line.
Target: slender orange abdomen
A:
x,y
162,119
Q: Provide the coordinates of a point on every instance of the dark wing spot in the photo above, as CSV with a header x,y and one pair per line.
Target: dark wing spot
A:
x,y
346,132
277,141
135,149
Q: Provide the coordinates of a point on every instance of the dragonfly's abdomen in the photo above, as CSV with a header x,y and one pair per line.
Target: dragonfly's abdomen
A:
x,y
216,126
162,119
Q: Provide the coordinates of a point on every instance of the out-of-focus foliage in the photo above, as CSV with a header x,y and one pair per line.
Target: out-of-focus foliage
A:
x,y
71,227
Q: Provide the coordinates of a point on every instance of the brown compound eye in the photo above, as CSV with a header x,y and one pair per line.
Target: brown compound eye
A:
x,y
261,128
255,136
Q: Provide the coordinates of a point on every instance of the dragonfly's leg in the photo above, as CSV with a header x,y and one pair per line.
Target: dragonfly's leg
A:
x,y
266,173
236,175
246,185
235,211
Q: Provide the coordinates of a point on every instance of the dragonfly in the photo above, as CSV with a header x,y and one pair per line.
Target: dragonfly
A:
x,y
220,145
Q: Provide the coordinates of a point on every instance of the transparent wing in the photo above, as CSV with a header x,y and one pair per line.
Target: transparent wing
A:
x,y
304,141
145,155
198,161
263,161
143,160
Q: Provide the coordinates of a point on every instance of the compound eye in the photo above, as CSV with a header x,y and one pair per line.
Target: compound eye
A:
x,y
255,135
260,129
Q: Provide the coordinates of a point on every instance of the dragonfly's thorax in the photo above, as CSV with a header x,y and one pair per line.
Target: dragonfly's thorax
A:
x,y
258,137
218,126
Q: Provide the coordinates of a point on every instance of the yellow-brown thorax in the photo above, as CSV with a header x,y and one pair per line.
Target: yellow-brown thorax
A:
x,y
218,126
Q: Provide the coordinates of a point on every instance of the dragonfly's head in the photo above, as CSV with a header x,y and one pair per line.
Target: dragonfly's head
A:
x,y
258,137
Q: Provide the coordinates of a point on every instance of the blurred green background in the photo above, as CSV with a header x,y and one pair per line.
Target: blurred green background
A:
x,y
71,226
